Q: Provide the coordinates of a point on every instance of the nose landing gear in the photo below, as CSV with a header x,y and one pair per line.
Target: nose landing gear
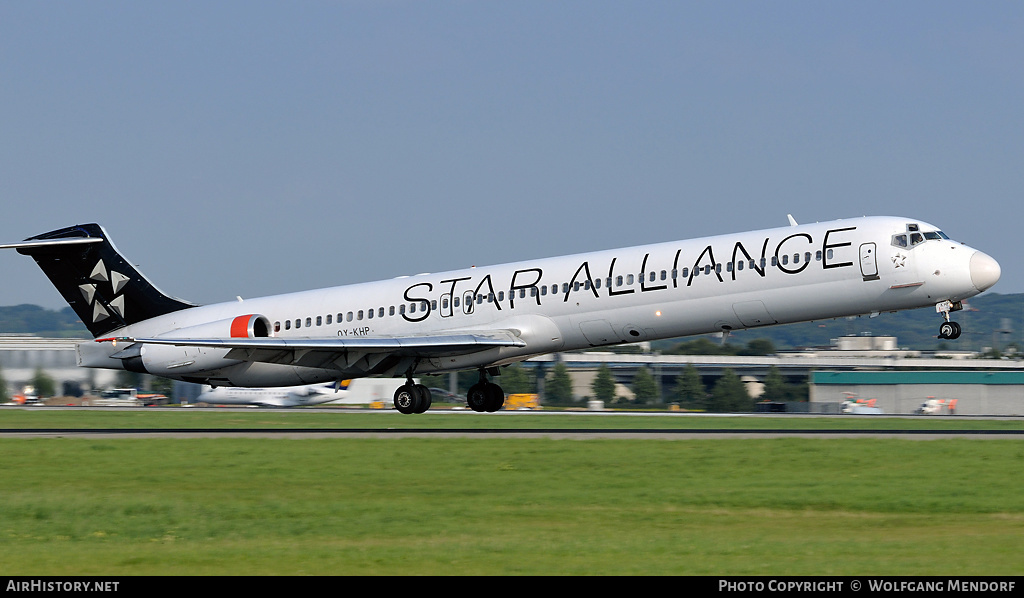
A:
x,y
949,330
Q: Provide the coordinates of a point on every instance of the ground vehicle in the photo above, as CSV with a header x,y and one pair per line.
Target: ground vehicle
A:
x,y
930,407
522,401
861,407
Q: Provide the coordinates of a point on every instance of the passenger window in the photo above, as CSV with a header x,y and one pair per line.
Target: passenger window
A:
x,y
309,322
277,326
359,315
380,312
348,316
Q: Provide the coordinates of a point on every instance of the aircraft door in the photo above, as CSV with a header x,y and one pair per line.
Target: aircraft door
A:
x,y
868,262
598,332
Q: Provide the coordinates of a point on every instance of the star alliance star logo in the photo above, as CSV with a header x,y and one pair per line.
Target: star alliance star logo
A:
x,y
117,283
899,260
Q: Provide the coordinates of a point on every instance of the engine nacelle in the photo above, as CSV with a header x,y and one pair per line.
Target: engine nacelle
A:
x,y
248,326
176,362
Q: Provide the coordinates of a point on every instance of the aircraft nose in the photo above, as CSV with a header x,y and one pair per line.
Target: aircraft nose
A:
x,y
985,271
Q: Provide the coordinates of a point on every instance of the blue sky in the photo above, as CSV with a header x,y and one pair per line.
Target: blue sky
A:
x,y
250,148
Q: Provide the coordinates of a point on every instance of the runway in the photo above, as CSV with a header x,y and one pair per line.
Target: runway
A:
x,y
491,433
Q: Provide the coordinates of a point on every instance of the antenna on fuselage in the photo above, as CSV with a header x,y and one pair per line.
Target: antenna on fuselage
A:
x,y
792,222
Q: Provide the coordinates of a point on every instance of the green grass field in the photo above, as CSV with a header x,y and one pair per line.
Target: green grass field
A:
x,y
539,506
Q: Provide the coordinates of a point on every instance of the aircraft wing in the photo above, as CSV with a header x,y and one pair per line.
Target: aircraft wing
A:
x,y
367,355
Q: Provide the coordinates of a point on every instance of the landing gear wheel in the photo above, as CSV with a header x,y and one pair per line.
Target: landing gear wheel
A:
x,y
424,396
949,330
407,399
495,397
485,397
476,398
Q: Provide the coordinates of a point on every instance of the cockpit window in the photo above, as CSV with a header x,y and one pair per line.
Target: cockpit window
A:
x,y
914,236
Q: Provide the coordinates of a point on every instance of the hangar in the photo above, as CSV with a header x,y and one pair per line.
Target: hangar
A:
x,y
975,392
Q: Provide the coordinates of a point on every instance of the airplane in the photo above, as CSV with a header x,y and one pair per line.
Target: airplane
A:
x,y
361,391
284,396
487,317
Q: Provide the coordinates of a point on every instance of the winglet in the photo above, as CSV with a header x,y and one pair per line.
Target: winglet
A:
x,y
792,222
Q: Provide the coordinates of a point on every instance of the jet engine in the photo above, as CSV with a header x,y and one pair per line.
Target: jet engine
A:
x,y
175,362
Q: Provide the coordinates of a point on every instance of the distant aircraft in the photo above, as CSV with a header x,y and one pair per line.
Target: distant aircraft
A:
x,y
361,391
283,396
483,318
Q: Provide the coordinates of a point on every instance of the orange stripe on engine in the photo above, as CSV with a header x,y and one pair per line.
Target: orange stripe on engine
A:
x,y
240,326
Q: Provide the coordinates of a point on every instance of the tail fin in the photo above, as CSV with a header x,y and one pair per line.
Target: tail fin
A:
x,y
101,286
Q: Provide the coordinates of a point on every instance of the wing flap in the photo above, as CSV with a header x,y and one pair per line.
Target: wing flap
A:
x,y
350,353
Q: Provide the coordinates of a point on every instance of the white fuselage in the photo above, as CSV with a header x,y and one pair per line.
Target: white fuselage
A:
x,y
664,290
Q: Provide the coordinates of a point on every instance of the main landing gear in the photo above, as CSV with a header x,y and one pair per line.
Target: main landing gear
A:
x,y
949,330
412,398
485,396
